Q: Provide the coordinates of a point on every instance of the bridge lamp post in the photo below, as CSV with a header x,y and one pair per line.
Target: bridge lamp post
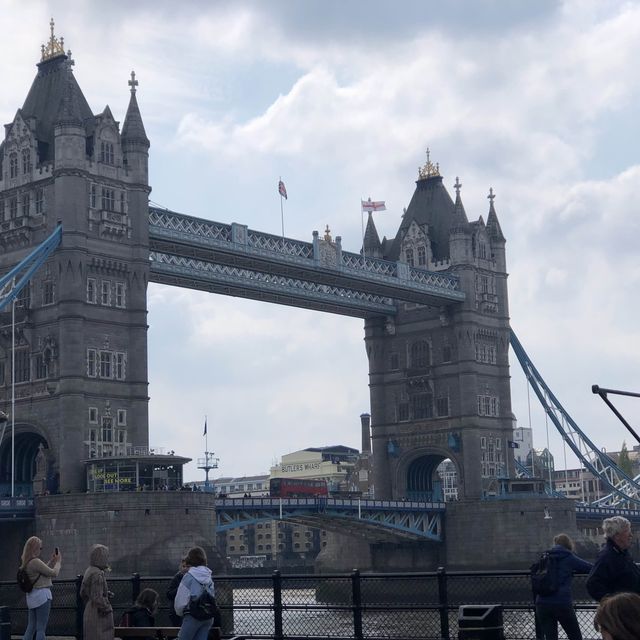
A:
x,y
3,421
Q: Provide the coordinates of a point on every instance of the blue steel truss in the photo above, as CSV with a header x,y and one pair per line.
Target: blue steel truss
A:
x,y
14,281
235,260
377,520
625,491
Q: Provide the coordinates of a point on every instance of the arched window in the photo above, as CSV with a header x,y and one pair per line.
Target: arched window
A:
x,y
422,256
13,165
420,354
409,255
26,161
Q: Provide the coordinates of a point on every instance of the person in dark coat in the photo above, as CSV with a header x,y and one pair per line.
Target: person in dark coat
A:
x,y
558,607
176,620
614,569
143,612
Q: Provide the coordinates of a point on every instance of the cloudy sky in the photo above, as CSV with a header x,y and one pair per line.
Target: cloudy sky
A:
x,y
537,100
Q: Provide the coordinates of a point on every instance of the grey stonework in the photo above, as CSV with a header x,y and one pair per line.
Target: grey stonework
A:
x,y
146,532
91,295
431,368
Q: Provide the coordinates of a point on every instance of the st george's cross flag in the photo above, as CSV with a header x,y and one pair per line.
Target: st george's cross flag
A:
x,y
205,427
282,190
370,205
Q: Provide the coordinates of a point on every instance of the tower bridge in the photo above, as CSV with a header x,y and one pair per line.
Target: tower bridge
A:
x,y
434,301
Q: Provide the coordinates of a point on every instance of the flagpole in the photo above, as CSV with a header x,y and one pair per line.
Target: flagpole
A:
x,y
281,214
362,225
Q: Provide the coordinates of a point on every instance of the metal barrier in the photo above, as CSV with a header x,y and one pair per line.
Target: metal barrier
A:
x,y
355,605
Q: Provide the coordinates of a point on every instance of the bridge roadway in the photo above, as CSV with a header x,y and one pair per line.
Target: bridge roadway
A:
x,y
374,520
234,260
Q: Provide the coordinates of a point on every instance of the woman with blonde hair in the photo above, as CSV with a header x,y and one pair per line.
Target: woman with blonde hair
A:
x,y
39,598
97,621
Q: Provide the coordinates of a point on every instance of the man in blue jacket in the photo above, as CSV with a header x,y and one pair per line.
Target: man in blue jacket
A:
x,y
614,569
558,606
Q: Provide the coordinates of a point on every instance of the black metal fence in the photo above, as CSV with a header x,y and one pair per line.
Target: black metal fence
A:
x,y
356,605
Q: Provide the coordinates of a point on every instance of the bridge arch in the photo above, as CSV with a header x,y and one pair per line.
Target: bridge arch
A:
x,y
417,477
27,444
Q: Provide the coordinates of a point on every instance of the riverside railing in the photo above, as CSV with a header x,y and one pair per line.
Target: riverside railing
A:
x,y
356,605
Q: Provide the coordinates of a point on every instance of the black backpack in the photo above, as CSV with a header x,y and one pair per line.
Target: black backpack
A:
x,y
24,582
544,575
202,607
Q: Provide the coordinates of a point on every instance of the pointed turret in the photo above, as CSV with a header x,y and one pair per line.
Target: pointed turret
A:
x,y
460,219
135,144
493,226
69,109
460,237
371,245
133,128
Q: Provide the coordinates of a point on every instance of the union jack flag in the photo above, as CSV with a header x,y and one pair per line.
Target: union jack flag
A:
x,y
282,190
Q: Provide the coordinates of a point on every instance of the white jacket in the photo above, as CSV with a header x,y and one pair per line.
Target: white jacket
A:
x,y
191,586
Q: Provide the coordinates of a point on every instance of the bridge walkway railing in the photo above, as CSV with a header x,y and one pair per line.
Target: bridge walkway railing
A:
x,y
355,605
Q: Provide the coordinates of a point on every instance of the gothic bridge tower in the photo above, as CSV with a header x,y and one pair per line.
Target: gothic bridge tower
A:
x,y
81,326
439,377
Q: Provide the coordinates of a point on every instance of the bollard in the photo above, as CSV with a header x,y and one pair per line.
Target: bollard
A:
x,y
5,624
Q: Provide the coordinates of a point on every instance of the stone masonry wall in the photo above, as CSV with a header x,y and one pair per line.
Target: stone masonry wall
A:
x,y
146,532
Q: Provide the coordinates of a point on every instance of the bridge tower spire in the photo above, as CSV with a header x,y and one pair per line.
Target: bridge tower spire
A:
x,y
439,376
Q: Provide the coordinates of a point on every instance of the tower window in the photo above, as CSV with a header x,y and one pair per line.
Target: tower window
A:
x,y
120,361
92,363
91,290
105,364
442,407
107,429
422,256
93,416
23,372
25,204
40,368
48,292
106,152
39,202
105,292
13,165
420,354
122,417
120,295
13,207
409,256
422,405
394,361
26,161
92,196
108,199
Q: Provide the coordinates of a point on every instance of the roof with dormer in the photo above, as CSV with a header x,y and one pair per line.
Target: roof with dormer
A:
x,y
430,205
55,97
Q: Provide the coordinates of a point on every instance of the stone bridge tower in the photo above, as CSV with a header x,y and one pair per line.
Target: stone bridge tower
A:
x,y
81,326
439,377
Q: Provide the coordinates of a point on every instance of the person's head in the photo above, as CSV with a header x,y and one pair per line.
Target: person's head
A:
x,y
148,599
196,557
618,530
564,541
618,617
31,550
183,565
99,556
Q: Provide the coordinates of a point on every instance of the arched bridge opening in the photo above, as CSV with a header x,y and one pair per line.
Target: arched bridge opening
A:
x,y
27,447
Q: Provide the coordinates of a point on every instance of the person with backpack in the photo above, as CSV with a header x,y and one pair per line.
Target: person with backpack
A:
x,y
552,586
34,577
614,569
195,600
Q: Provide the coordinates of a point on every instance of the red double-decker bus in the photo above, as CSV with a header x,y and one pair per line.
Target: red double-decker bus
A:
x,y
297,488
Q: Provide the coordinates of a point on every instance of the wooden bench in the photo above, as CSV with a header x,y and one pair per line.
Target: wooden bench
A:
x,y
159,633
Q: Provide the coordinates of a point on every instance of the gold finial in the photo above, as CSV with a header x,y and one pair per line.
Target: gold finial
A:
x,y
54,47
327,234
429,170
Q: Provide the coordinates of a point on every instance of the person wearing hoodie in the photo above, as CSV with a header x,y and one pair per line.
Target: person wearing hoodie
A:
x,y
97,621
558,607
194,582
